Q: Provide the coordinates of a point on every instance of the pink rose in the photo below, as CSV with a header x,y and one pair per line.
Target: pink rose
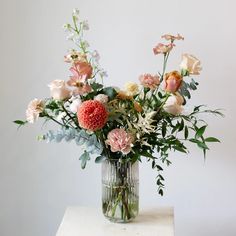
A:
x,y
173,81
149,81
120,141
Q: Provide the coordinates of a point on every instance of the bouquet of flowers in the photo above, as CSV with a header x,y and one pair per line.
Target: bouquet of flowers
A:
x,y
144,119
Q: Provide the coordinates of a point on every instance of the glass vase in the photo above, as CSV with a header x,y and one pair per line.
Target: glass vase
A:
x,y
120,190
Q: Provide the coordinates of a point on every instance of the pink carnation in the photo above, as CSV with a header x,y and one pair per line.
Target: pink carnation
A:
x,y
162,48
172,37
119,140
92,115
149,81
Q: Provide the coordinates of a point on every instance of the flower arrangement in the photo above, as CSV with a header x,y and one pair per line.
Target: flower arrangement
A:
x,y
145,119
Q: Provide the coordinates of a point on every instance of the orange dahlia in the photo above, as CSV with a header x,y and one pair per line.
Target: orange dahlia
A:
x,y
92,115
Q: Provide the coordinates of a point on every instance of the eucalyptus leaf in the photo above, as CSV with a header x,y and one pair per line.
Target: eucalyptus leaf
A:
x,y
84,158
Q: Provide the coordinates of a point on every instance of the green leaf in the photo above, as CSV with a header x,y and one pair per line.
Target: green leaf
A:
x,y
202,145
84,158
163,130
186,132
212,139
181,126
146,154
110,92
96,86
193,140
160,191
100,159
200,131
180,149
20,122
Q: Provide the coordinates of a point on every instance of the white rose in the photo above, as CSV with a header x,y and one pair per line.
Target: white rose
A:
x,y
75,105
103,98
173,104
34,108
191,64
58,89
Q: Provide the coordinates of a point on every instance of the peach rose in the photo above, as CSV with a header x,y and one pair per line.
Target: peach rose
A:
x,y
190,64
58,89
173,104
173,81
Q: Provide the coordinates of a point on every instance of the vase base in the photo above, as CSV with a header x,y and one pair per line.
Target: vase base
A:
x,y
119,221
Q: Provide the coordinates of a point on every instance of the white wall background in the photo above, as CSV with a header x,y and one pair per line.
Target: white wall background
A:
x,y
38,180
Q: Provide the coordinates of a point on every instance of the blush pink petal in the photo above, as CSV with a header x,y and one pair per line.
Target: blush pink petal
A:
x,y
119,141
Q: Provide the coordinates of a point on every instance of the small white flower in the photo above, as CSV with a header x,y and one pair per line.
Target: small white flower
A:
x,y
75,105
103,98
70,37
76,40
103,73
85,25
67,27
61,116
96,56
86,44
75,12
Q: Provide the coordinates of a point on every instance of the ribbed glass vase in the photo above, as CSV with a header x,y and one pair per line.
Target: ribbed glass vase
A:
x,y
120,190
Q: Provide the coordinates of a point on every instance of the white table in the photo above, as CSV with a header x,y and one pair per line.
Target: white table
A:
x,y
86,221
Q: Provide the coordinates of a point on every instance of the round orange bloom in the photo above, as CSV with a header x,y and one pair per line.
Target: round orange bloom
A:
x,y
173,81
92,115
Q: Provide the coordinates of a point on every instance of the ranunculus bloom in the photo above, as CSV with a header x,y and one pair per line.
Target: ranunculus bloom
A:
x,y
103,98
172,37
163,48
191,64
58,89
150,81
119,141
173,104
92,115
131,88
173,81
34,108
81,71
